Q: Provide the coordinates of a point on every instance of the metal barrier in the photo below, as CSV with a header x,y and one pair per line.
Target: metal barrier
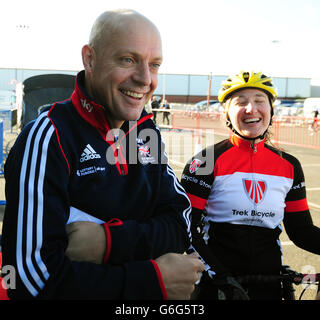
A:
x,y
295,131
286,130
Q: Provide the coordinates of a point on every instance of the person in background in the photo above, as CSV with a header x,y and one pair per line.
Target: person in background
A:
x,y
155,104
315,123
93,211
166,115
238,206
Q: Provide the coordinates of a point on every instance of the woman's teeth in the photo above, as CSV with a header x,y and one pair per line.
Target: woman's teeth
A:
x,y
251,120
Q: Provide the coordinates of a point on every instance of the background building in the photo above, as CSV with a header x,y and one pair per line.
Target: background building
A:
x,y
179,88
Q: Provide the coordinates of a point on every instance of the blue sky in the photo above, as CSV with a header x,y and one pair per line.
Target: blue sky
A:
x,y
278,37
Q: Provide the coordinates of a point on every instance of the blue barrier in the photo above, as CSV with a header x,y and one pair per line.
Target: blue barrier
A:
x,y
6,117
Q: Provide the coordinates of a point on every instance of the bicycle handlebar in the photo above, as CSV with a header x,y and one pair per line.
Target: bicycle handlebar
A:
x,y
287,277
294,277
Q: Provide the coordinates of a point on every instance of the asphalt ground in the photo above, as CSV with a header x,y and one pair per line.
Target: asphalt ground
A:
x,y
181,145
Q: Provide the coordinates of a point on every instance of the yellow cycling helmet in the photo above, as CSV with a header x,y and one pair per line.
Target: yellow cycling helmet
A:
x,y
245,80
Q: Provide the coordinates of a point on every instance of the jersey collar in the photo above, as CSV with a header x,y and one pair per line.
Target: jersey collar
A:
x,y
93,112
245,144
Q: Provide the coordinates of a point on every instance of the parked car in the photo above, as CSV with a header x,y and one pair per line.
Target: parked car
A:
x,y
203,105
216,107
288,108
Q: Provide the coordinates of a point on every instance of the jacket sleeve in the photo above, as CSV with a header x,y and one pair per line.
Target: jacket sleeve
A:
x,y
297,219
168,228
34,234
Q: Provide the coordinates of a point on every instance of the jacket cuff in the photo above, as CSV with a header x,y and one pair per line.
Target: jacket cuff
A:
x,y
161,284
111,223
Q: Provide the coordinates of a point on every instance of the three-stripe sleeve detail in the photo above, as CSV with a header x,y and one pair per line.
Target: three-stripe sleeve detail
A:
x,y
179,189
31,268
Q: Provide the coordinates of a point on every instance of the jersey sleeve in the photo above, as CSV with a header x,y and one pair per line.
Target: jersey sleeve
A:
x,y
297,219
296,200
34,236
197,179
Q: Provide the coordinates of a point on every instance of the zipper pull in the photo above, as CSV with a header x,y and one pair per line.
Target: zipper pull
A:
x,y
253,146
117,148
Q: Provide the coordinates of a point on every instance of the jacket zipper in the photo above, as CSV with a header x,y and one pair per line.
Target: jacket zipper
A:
x,y
123,170
253,153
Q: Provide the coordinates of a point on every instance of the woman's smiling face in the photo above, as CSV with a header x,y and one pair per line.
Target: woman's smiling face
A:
x,y
249,111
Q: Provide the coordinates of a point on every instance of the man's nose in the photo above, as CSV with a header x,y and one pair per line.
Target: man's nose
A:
x,y
142,74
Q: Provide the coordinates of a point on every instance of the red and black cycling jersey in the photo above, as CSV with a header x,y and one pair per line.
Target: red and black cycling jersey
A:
x,y
246,193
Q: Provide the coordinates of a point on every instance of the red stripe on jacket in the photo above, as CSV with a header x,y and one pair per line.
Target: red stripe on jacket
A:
x,y
297,205
111,223
162,286
197,202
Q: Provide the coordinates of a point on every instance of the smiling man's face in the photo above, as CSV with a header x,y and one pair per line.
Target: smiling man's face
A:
x,y
124,75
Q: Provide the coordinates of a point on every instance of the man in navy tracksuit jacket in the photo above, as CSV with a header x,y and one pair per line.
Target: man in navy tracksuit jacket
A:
x,y
68,166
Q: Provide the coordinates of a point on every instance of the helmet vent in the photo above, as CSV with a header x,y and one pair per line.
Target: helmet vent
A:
x,y
246,76
268,83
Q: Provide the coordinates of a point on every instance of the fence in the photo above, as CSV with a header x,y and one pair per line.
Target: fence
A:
x,y
286,130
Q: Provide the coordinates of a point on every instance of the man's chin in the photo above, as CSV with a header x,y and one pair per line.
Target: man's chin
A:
x,y
135,114
132,117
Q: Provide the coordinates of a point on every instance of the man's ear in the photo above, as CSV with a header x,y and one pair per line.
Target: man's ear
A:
x,y
88,57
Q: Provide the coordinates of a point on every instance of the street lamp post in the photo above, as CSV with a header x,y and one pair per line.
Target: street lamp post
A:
x,y
209,90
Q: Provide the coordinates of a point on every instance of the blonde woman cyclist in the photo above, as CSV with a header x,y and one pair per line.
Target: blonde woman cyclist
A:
x,y
238,207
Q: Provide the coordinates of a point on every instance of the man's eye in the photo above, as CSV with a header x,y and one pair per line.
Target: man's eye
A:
x,y
156,66
127,60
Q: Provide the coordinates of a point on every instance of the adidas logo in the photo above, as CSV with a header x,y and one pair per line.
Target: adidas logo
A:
x,y
89,154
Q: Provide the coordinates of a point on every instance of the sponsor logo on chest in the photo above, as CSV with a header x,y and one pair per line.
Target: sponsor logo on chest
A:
x,y
86,105
194,166
144,152
255,190
89,153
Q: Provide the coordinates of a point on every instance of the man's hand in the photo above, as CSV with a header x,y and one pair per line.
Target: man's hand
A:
x,y
87,242
179,273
